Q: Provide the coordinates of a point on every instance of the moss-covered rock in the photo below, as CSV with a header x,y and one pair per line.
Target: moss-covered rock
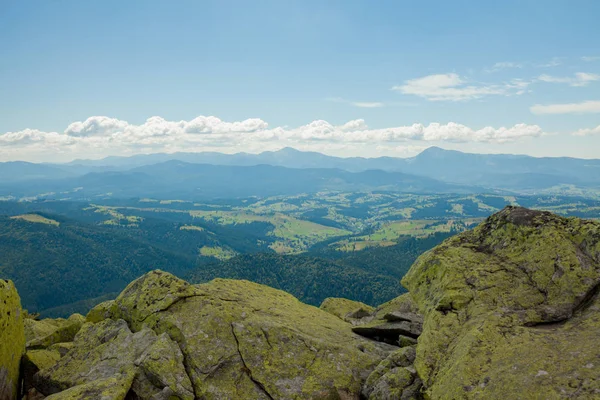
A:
x,y
511,309
347,310
115,387
162,363
44,333
12,339
396,322
224,339
36,360
100,311
394,378
100,351
62,348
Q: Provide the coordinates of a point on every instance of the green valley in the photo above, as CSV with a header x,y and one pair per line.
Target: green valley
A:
x,y
64,254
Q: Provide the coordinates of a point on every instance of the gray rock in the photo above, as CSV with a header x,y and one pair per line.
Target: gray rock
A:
x,y
396,316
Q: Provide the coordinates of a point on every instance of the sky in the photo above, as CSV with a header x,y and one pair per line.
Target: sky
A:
x,y
89,79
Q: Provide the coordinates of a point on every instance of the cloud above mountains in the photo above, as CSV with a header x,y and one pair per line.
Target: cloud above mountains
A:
x,y
452,87
102,135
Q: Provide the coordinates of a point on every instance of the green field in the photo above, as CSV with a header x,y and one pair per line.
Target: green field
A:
x,y
359,220
35,218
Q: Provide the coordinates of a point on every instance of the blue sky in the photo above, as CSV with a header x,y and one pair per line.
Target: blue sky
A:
x,y
90,79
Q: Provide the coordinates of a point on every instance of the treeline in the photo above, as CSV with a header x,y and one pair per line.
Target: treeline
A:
x,y
53,266
308,278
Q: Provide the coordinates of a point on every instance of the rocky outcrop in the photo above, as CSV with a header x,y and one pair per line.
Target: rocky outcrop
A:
x,y
45,333
511,309
163,338
12,340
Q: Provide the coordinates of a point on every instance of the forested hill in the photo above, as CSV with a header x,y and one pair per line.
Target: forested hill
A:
x,y
308,278
370,276
55,261
61,265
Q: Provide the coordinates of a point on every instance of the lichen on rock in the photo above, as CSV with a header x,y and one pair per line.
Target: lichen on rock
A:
x,y
46,332
348,310
12,339
164,338
515,296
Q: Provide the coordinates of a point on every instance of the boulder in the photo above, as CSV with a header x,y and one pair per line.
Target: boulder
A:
x,y
12,340
164,338
105,352
396,322
44,333
511,309
347,310
36,360
62,348
396,316
394,378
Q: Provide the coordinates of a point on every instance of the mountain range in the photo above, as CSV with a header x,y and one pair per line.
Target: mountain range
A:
x,y
289,171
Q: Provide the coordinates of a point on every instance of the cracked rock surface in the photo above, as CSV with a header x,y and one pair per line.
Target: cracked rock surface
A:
x,y
163,338
511,308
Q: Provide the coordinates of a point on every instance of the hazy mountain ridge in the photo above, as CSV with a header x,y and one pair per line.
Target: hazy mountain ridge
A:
x,y
289,171
181,180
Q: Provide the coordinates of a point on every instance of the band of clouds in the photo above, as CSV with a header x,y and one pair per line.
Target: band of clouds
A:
x,y
158,134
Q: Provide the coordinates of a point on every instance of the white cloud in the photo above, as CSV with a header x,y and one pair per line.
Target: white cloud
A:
x,y
360,104
499,66
363,104
100,136
580,79
590,58
554,62
451,87
587,132
568,108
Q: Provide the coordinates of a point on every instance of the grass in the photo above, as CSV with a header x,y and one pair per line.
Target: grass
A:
x,y
191,228
349,245
35,218
293,234
419,228
116,217
217,252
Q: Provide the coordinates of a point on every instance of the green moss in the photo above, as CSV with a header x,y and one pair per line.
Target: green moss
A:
x,y
114,387
240,339
100,312
223,339
345,309
62,348
44,333
162,363
42,358
504,309
12,339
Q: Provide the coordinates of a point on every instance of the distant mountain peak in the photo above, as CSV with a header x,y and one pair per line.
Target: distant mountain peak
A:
x,y
288,150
